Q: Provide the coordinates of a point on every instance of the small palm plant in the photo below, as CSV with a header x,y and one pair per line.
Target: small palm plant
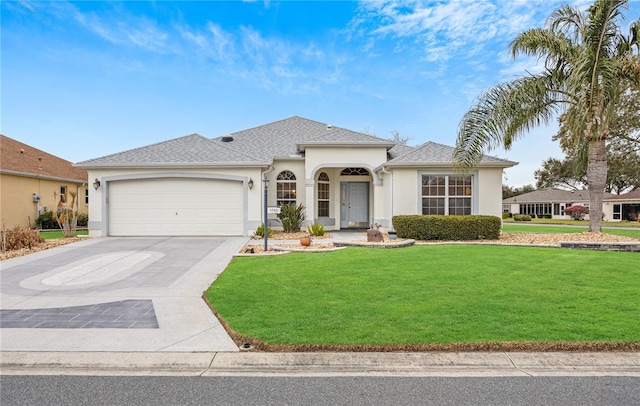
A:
x,y
316,229
66,216
291,217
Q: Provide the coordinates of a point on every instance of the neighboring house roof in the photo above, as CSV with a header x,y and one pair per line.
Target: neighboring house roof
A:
x,y
434,154
17,158
633,195
190,150
551,194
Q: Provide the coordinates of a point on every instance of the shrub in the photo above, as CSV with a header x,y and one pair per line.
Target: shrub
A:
x,y
421,227
521,217
83,219
577,212
291,217
506,215
45,221
316,229
20,238
260,231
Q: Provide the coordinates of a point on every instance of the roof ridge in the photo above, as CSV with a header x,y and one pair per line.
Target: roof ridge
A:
x,y
263,125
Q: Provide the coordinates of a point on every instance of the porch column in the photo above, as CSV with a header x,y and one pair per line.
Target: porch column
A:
x,y
310,203
379,205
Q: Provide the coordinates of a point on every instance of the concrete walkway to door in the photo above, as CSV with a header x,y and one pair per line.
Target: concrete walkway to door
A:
x,y
115,294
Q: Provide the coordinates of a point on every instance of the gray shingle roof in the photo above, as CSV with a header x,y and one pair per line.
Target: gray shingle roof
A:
x,y
283,138
191,149
551,194
432,153
258,146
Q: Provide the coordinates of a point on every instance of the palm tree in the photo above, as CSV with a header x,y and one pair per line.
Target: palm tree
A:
x,y
589,64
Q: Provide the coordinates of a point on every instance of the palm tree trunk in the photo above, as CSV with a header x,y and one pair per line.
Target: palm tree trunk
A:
x,y
597,178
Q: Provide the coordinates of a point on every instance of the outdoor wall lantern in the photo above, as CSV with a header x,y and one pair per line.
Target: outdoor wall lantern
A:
x,y
250,183
96,184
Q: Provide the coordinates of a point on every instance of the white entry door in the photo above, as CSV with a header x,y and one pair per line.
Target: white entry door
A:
x,y
354,205
175,207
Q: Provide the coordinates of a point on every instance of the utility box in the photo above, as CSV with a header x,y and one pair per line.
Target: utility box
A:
x,y
36,198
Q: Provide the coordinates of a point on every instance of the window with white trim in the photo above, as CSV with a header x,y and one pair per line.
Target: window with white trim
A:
x,y
446,194
617,211
323,195
285,188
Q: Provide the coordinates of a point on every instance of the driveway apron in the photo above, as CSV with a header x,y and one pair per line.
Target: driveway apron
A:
x,y
115,294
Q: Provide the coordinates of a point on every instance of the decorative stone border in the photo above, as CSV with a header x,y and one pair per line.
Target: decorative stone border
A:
x,y
602,246
398,244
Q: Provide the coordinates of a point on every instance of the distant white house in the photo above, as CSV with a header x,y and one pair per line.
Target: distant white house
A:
x,y
552,202
623,207
345,179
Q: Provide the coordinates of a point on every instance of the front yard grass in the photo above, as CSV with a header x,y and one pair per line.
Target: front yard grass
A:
x,y
432,295
570,222
53,234
522,228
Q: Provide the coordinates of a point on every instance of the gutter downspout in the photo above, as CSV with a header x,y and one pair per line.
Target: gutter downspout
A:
x,y
384,170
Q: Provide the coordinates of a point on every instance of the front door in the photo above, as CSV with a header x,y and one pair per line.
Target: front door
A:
x,y
354,204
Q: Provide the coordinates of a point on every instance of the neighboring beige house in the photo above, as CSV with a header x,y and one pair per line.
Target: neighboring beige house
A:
x,y
345,179
624,207
31,181
553,201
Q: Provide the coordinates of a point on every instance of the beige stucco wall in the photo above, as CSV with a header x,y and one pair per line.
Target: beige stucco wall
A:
x,y
607,211
407,181
490,191
16,198
317,158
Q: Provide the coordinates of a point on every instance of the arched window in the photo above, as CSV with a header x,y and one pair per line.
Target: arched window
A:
x,y
323,195
286,188
354,172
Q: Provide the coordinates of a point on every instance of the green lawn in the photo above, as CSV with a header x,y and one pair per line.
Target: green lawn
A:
x,y
534,228
575,222
51,234
522,228
433,294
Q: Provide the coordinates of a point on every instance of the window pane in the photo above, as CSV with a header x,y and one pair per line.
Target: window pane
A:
x,y
323,209
433,205
459,206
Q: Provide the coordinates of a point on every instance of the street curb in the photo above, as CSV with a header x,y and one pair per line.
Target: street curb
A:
x,y
320,364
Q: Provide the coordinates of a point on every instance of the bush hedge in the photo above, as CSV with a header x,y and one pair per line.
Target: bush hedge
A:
x,y
432,227
45,221
521,217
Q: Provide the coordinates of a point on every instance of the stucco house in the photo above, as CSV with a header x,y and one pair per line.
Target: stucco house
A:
x,y
32,181
549,202
345,179
624,207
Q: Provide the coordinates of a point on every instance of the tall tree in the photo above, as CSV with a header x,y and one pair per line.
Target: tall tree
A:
x,y
588,65
623,153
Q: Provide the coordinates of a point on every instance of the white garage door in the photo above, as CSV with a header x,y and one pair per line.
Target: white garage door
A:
x,y
174,207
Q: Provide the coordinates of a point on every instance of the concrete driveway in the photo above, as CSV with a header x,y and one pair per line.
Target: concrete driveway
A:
x,y
115,294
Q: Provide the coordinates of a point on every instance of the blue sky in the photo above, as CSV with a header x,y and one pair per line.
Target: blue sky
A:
x,y
85,79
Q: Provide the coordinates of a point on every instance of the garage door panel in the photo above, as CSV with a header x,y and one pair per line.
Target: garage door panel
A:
x,y
181,206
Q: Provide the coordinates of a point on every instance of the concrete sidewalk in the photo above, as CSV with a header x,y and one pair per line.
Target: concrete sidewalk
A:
x,y
472,364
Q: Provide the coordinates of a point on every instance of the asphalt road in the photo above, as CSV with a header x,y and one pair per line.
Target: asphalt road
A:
x,y
128,390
